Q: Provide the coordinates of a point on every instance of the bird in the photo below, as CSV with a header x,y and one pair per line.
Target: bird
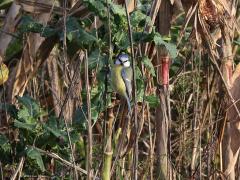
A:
x,y
121,78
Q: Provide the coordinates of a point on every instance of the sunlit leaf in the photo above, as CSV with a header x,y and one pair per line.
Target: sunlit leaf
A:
x,y
3,73
117,9
5,3
169,46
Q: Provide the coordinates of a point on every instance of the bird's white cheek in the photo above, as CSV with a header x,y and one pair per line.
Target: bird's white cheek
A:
x,y
127,64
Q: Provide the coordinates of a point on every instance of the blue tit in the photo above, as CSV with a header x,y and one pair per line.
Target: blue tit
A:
x,y
121,78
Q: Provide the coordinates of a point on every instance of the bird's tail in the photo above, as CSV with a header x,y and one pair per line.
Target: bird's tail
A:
x,y
129,105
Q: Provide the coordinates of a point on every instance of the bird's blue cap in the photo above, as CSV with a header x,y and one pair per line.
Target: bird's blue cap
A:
x,y
123,57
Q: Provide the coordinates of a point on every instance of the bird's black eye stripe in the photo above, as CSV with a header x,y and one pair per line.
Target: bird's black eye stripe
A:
x,y
121,61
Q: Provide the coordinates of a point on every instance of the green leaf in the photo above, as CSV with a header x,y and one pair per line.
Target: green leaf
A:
x,y
170,47
4,143
139,19
32,106
53,127
14,48
117,9
77,34
5,3
237,42
148,64
28,24
121,40
35,155
140,85
22,125
94,59
9,108
85,37
152,100
24,115
75,137
55,132
80,117
97,6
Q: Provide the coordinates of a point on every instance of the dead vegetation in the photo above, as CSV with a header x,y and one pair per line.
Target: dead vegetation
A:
x,y
186,111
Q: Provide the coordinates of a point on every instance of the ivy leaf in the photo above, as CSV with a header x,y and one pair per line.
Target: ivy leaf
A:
x,y
148,64
35,155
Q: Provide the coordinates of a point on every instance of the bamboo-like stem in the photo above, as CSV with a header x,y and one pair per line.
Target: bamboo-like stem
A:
x,y
90,144
153,14
109,116
107,165
163,117
106,173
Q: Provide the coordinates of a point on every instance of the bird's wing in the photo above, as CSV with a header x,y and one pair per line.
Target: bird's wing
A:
x,y
127,78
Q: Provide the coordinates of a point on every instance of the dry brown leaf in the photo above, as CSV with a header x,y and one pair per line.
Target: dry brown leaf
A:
x,y
37,7
231,141
172,2
9,26
209,12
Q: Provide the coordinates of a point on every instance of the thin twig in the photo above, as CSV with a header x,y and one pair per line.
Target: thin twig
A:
x,y
71,84
65,162
1,170
153,14
20,165
135,167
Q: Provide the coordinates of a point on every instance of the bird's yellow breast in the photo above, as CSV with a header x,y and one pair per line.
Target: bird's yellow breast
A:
x,y
117,81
